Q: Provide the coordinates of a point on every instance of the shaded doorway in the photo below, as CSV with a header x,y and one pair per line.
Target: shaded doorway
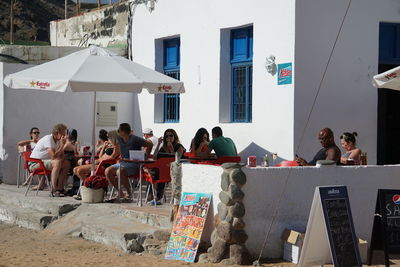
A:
x,y
388,100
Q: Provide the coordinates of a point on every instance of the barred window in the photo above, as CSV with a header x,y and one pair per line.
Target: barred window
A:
x,y
242,73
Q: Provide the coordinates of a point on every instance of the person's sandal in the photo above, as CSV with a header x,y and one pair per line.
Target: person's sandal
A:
x,y
58,194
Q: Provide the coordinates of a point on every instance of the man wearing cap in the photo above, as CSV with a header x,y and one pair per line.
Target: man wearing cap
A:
x,y
148,135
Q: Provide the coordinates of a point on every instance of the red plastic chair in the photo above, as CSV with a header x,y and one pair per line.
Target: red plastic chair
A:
x,y
41,172
25,156
164,176
287,163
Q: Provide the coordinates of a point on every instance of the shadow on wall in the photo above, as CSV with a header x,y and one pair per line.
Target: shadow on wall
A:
x,y
255,150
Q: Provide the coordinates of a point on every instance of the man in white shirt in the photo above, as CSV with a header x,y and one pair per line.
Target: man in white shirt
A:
x,y
50,149
148,135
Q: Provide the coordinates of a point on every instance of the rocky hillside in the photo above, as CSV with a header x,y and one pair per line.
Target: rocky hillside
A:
x,y
31,18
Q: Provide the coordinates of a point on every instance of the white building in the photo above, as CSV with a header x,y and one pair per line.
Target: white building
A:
x,y
303,33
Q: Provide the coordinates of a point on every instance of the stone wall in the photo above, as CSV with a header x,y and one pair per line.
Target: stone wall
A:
x,y
229,237
42,54
107,27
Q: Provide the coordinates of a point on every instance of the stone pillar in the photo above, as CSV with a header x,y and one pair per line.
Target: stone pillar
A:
x,y
229,237
176,182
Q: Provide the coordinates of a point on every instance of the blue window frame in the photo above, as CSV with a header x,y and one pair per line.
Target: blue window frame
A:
x,y
242,73
171,68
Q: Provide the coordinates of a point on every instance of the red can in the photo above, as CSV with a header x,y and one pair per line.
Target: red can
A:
x,y
252,161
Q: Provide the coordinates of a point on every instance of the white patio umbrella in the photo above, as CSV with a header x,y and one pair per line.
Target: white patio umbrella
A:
x,y
389,79
93,70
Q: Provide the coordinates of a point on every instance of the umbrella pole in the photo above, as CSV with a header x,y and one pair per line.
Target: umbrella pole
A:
x,y
93,135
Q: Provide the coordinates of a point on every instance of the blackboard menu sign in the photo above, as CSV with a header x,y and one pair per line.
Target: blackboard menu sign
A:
x,y
386,229
339,226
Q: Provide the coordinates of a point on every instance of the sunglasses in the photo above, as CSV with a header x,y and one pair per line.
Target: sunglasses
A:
x,y
36,132
169,135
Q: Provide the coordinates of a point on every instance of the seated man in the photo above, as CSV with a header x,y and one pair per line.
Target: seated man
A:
x,y
222,146
126,141
148,135
329,149
50,149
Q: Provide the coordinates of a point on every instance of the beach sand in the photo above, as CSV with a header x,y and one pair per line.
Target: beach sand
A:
x,y
23,247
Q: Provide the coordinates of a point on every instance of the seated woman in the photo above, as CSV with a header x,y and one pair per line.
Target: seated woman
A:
x,y
110,150
71,151
29,145
352,155
103,137
170,144
199,142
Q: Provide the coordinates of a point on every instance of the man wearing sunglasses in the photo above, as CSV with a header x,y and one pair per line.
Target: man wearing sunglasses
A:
x,y
50,149
127,141
329,150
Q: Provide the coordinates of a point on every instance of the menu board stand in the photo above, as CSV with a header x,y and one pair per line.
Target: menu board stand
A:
x,y
330,235
386,228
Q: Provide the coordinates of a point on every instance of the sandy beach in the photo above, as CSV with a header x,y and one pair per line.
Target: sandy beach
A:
x,y
23,247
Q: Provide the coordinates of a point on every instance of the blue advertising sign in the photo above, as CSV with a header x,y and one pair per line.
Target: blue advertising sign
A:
x,y
285,73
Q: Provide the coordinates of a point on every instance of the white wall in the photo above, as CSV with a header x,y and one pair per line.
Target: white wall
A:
x,y
24,109
347,101
265,186
199,25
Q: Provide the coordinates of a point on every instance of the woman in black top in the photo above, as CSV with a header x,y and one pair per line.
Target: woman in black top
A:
x,y
170,144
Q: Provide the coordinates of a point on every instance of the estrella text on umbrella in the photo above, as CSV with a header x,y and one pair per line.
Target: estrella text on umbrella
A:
x,y
42,85
164,88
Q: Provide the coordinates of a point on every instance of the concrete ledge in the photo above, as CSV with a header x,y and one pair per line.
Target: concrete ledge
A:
x,y
25,218
103,224
11,195
147,217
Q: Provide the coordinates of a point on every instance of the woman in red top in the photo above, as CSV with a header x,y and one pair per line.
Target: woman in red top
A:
x,y
199,142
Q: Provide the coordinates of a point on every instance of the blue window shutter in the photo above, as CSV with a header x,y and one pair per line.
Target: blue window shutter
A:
x,y
239,45
171,53
250,44
172,69
242,45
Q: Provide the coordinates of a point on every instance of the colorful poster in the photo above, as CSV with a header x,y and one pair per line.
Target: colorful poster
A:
x,y
285,72
188,227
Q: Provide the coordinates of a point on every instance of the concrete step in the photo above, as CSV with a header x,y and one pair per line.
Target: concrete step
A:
x,y
158,217
11,195
25,217
103,224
